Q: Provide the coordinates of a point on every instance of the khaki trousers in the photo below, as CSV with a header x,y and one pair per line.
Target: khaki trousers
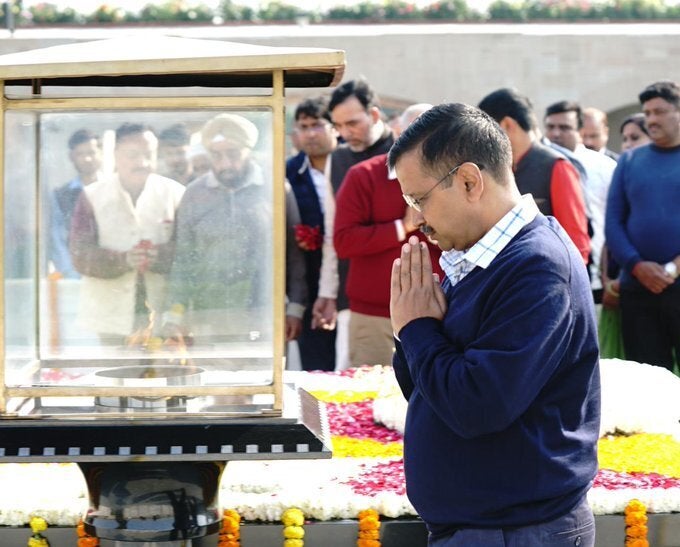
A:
x,y
371,341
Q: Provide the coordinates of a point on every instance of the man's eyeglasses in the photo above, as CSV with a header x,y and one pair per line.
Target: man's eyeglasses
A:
x,y
417,203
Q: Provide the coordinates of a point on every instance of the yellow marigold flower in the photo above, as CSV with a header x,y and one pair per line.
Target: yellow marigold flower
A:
x,y
38,524
369,534
344,397
348,447
293,532
643,452
635,506
38,542
368,513
293,517
233,515
293,543
230,525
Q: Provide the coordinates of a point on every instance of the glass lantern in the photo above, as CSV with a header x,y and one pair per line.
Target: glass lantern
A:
x,y
143,262
158,284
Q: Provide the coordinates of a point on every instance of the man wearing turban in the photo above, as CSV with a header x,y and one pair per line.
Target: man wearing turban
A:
x,y
221,278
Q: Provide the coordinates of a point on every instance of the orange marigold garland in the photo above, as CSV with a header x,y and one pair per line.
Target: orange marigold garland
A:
x,y
85,539
369,528
293,532
230,533
38,525
636,524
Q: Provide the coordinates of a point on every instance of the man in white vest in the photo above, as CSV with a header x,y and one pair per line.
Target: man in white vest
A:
x,y
121,239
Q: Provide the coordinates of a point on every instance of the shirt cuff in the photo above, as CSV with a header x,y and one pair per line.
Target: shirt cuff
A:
x,y
401,231
294,309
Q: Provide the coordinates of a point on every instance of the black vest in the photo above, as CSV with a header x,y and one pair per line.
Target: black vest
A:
x,y
534,173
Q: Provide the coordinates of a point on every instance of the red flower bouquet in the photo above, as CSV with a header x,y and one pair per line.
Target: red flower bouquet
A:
x,y
309,238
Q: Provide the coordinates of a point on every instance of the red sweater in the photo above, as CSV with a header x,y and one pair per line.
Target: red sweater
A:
x,y
367,205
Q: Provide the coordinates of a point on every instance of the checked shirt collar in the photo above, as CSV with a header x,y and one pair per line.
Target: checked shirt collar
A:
x,y
457,264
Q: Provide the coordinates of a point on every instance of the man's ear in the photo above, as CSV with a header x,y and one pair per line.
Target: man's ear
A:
x,y
507,124
374,113
472,181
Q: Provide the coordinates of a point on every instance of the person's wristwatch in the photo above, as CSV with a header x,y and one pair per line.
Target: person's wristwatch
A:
x,y
671,269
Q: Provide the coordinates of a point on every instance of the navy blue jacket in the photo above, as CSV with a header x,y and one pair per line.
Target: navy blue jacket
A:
x,y
504,393
310,214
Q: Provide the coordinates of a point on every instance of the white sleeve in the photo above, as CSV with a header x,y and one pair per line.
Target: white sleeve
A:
x,y
328,280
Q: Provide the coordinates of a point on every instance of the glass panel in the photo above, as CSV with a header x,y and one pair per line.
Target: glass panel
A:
x,y
20,213
155,245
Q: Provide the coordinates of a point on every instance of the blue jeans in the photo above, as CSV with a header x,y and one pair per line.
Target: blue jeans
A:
x,y
575,529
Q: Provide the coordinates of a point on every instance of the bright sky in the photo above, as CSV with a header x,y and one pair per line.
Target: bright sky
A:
x,y
88,6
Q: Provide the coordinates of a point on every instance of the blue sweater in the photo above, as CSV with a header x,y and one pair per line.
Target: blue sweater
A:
x,y
504,393
643,209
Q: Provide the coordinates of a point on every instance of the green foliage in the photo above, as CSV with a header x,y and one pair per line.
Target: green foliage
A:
x,y
456,10
278,11
232,12
175,10
229,11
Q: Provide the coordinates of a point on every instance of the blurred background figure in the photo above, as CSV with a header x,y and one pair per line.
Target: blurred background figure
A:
x,y
84,150
198,156
316,138
634,132
540,170
121,239
220,283
595,132
643,232
173,154
358,119
372,222
563,122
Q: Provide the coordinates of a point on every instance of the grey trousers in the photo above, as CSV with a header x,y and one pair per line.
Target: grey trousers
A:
x,y
575,529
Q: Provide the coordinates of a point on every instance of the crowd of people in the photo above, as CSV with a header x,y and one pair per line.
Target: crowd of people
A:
x,y
564,163
470,246
191,206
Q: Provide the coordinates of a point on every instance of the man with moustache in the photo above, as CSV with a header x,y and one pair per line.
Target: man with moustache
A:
x,y
357,118
220,287
499,363
643,232
121,238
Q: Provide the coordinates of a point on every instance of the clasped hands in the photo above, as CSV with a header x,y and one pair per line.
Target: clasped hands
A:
x,y
415,289
142,256
652,276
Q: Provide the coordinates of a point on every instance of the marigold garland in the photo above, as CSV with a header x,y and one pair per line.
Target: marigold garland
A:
x,y
38,525
636,524
85,539
369,529
230,532
293,532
